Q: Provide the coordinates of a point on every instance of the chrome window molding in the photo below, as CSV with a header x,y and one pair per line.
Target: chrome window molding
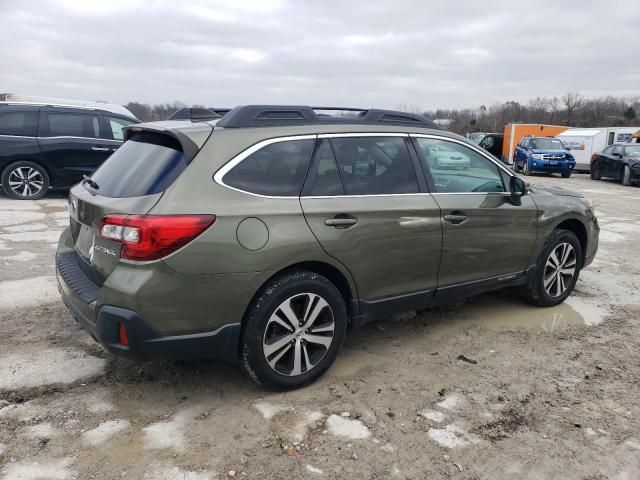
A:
x,y
77,138
17,136
219,175
363,134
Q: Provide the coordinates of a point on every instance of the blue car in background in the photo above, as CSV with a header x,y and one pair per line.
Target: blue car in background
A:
x,y
543,154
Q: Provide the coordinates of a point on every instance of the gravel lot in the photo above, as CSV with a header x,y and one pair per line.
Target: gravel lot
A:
x,y
554,393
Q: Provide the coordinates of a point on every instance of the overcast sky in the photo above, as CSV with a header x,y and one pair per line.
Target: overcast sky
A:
x,y
356,53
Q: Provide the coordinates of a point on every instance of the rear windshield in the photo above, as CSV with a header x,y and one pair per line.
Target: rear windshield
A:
x,y
146,164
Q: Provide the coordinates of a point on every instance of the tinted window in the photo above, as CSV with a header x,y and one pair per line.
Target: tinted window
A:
x,y
375,165
146,164
72,125
117,124
277,169
18,123
617,149
327,181
456,168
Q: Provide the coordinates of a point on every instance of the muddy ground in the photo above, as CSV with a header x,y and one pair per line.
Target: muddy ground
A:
x,y
554,393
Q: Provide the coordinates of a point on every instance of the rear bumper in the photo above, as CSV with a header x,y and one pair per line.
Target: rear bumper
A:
x,y
79,294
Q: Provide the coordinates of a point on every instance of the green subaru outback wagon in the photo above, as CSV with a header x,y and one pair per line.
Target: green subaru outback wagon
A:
x,y
264,236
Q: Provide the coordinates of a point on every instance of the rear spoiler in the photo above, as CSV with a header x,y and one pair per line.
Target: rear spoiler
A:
x,y
190,137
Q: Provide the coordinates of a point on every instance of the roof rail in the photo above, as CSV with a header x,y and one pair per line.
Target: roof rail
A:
x,y
277,115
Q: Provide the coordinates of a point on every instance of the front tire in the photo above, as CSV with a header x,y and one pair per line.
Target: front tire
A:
x,y
626,176
25,181
557,270
525,168
566,174
293,330
595,172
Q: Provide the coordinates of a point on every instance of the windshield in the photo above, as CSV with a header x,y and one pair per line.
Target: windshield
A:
x,y
546,144
632,151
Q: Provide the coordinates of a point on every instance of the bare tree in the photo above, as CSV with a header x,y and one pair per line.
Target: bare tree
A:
x,y
554,103
572,101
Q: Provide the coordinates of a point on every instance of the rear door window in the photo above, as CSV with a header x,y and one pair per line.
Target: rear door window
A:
x,y
21,123
375,165
70,125
277,169
117,125
146,164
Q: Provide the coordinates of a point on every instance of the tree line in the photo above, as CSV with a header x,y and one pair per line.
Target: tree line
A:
x,y
570,109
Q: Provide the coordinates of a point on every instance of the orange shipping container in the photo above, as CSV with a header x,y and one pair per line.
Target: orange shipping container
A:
x,y
514,132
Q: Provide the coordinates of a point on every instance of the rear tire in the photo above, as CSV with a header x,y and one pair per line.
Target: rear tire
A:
x,y
566,174
626,176
293,330
555,275
25,181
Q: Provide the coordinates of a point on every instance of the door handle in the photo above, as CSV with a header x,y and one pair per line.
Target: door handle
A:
x,y
100,149
456,218
341,221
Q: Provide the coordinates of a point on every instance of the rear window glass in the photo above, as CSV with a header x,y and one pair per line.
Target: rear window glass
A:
x,y
276,170
146,164
19,123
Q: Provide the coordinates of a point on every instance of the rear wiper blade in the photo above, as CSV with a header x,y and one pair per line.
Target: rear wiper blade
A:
x,y
91,183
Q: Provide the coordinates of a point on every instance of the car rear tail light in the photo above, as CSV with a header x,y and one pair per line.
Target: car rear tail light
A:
x,y
150,237
123,339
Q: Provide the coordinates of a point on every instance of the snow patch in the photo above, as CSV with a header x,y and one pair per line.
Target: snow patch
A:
x,y
20,257
47,367
59,469
345,427
105,431
451,436
299,430
611,237
432,415
14,217
27,227
632,443
28,292
168,434
312,469
46,236
42,430
450,402
23,412
100,407
270,410
163,471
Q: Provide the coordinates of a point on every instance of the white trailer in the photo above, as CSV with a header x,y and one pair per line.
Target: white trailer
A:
x,y
584,142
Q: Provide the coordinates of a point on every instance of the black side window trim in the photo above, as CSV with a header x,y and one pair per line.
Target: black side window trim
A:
x,y
312,171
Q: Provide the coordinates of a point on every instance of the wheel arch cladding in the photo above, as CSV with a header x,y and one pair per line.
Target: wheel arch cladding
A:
x,y
580,231
331,273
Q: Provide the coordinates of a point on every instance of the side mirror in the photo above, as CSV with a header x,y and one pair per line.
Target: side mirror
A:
x,y
567,147
518,188
616,154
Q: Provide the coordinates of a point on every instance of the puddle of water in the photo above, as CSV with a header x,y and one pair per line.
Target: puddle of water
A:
x,y
500,312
